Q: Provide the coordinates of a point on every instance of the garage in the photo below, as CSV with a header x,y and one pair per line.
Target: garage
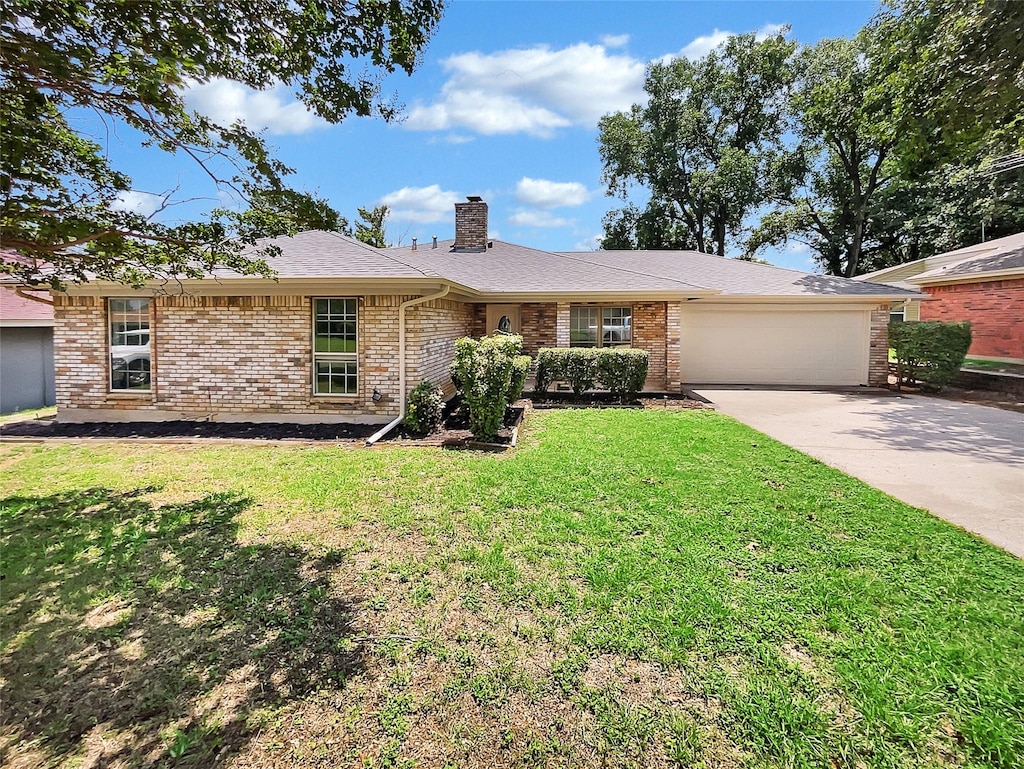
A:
x,y
813,344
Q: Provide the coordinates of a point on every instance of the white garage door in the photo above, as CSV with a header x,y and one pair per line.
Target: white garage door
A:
x,y
816,345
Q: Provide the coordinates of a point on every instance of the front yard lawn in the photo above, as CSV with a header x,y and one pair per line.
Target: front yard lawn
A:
x,y
628,588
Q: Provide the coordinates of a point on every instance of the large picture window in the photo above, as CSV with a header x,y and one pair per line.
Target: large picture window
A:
x,y
592,326
335,362
129,344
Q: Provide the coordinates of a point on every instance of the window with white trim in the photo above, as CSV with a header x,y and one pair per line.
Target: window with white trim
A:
x,y
596,326
335,350
897,312
129,344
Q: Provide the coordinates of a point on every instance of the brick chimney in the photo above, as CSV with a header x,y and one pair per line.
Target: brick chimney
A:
x,y
471,225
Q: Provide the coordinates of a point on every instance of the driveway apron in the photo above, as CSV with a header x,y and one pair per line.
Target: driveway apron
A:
x,y
961,461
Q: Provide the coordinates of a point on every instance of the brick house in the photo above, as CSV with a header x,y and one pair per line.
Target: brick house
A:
x,y
345,330
983,284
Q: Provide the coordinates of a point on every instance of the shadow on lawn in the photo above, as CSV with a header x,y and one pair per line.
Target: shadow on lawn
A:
x,y
140,634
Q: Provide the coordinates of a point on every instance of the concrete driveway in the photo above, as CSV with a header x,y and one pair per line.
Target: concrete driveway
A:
x,y
961,461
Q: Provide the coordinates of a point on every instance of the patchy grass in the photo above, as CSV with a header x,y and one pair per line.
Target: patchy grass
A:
x,y
629,588
46,412
983,364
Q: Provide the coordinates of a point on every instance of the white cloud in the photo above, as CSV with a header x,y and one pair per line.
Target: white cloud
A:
x,y
142,203
701,46
224,102
542,193
525,218
531,90
420,204
615,41
589,244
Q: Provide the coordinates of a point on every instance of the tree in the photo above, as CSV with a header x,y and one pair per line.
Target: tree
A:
x,y
957,67
371,229
702,146
843,119
131,63
895,129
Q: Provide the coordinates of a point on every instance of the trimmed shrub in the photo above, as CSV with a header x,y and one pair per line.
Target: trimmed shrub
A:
x,y
581,369
425,408
930,352
520,370
485,370
623,370
550,367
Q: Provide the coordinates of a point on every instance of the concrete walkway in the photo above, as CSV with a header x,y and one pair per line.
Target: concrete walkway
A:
x,y
961,461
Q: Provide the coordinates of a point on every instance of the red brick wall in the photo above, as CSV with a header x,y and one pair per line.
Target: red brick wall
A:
x,y
538,324
478,322
994,308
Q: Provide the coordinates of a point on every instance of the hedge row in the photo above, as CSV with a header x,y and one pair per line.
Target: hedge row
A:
x,y
931,352
623,370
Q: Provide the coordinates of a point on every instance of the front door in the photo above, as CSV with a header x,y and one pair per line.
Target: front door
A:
x,y
503,318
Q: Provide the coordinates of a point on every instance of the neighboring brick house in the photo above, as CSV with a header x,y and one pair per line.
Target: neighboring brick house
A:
x,y
345,330
983,284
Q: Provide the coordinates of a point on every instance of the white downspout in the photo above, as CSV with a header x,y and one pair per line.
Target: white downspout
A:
x,y
401,361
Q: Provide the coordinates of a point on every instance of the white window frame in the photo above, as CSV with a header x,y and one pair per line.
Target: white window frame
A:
x,y
901,311
348,358
120,351
600,308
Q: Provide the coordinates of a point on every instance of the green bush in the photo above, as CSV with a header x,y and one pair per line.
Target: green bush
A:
x,y
550,367
425,408
520,370
486,371
931,352
581,369
623,370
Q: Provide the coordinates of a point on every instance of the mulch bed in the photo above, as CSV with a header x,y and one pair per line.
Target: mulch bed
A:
x,y
454,431
271,431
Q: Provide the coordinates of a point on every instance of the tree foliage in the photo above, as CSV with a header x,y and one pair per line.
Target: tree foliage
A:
x,y
371,229
131,64
701,146
845,131
883,153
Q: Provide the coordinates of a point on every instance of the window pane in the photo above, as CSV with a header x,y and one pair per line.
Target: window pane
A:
x,y
129,344
583,322
617,326
336,377
335,325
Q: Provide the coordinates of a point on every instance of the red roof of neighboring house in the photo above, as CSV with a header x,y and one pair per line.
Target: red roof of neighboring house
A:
x,y
19,311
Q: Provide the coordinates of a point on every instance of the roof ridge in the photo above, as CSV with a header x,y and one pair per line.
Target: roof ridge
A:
x,y
379,252
570,255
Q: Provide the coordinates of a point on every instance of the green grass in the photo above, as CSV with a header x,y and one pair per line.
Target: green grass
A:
x,y
627,588
994,365
46,412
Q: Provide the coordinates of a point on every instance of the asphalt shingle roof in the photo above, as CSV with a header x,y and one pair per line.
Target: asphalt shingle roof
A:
x,y
514,268
735,277
510,268
320,254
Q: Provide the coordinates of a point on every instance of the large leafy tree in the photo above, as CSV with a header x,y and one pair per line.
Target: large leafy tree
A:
x,y
702,146
131,63
843,119
895,130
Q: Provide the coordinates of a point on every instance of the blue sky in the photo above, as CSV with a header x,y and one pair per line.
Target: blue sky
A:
x,y
504,104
